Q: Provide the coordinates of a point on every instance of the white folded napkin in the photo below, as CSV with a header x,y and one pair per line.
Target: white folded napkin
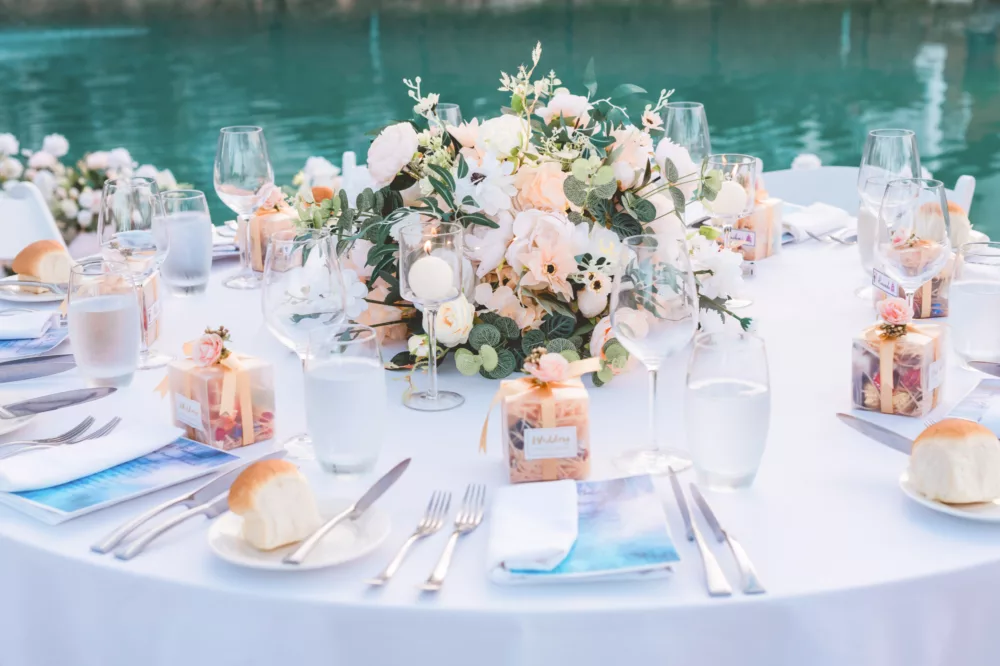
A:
x,y
533,526
819,219
17,324
68,462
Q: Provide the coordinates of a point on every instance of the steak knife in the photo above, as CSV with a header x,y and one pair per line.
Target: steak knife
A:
x,y
748,575
987,367
881,435
35,366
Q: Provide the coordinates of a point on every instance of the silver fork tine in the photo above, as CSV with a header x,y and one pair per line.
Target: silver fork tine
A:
x,y
58,439
100,432
469,517
430,522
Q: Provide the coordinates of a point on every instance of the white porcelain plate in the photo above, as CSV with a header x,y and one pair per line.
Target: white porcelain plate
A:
x,y
986,512
345,542
22,296
8,426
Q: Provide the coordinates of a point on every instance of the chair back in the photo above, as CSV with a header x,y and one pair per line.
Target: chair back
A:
x,y
24,219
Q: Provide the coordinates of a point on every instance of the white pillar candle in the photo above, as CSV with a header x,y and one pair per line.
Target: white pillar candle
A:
x,y
731,199
431,279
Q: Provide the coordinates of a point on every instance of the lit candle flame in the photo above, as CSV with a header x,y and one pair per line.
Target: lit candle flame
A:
x,y
427,247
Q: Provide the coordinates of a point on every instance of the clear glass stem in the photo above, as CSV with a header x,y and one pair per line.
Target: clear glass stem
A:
x,y
243,229
432,370
653,445
143,319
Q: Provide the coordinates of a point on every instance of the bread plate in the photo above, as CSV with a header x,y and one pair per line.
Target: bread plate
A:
x,y
984,512
22,295
346,542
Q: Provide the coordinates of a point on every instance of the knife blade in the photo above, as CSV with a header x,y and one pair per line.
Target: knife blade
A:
x,y
35,366
748,575
706,511
200,495
987,367
715,578
48,403
881,435
350,513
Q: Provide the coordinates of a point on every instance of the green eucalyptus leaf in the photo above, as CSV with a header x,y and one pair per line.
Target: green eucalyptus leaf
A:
x,y
670,171
489,357
644,210
507,326
605,374
506,364
444,174
605,190
366,200
679,201
570,355
575,190
626,89
615,354
604,175
590,78
576,218
484,334
581,169
467,362
532,339
476,218
558,345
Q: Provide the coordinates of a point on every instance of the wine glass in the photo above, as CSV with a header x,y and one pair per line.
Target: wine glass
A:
x,y
448,114
130,230
430,274
733,180
243,180
912,242
654,314
974,307
686,124
188,226
888,154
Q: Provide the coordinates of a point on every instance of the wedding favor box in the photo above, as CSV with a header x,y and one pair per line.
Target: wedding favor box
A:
x,y
546,430
227,405
931,300
262,227
150,306
758,235
901,375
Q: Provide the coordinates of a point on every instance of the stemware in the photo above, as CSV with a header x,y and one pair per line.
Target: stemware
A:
x,y
654,314
974,302
727,409
686,124
344,368
187,224
888,154
430,274
735,177
130,231
912,242
243,179
104,322
448,114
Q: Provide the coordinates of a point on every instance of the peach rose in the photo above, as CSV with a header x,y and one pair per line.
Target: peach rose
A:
x,y
541,187
550,367
208,351
895,311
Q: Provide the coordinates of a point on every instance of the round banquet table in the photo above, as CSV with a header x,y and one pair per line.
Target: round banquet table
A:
x,y
856,572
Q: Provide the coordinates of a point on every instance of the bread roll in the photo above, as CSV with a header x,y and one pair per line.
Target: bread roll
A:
x,y
956,462
276,502
44,260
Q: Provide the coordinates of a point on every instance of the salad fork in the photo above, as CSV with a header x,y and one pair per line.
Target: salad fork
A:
x,y
469,518
100,432
827,237
432,521
58,439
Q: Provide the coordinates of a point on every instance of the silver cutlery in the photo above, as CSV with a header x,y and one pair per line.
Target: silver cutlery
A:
x,y
97,434
56,288
48,403
469,517
35,366
825,237
432,521
987,367
352,512
748,575
198,496
929,422
715,578
58,439
881,435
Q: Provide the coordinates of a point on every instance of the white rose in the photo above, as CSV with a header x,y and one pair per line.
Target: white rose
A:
x,y
98,161
681,158
84,218
42,160
9,144
69,208
634,149
147,171
10,169
120,159
88,198
566,105
55,144
391,150
418,345
45,182
453,321
502,135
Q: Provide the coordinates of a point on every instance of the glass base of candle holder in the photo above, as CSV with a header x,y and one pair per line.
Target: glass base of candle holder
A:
x,y
646,461
422,401
153,359
299,447
242,280
723,482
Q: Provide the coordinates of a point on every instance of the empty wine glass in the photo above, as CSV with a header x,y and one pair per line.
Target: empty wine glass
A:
x,y
686,124
187,224
654,314
732,178
974,303
129,227
449,114
430,274
243,180
912,243
888,154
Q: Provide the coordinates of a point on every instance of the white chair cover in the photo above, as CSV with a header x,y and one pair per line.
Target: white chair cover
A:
x,y
24,219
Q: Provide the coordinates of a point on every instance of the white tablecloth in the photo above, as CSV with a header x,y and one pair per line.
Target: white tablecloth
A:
x,y
857,573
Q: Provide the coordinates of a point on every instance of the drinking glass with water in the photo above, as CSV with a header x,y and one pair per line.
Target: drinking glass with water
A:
x,y
187,225
346,400
974,308
104,324
728,408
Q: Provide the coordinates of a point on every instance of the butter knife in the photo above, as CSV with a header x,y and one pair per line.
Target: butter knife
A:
x,y
748,575
987,367
198,496
881,435
35,366
715,578
350,513
48,403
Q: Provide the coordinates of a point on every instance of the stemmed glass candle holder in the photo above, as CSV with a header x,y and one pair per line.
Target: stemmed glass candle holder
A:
x,y
889,154
912,244
686,124
188,227
430,274
130,229
243,180
654,314
734,178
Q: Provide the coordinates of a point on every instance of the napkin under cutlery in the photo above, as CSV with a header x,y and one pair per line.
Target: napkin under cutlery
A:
x,y
69,462
819,219
17,324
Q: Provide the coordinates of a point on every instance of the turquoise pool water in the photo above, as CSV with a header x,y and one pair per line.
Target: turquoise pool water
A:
x,y
777,80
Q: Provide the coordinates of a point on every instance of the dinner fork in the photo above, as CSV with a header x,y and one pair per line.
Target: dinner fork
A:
x,y
100,432
469,518
58,439
826,237
432,521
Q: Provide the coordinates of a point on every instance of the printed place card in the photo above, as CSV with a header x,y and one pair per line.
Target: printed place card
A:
x,y
540,443
884,283
188,411
744,236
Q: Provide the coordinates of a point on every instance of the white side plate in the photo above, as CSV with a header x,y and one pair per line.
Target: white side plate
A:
x,y
348,541
986,512
23,296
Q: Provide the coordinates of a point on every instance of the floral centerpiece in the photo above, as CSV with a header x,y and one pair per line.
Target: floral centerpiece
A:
x,y
73,192
546,191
